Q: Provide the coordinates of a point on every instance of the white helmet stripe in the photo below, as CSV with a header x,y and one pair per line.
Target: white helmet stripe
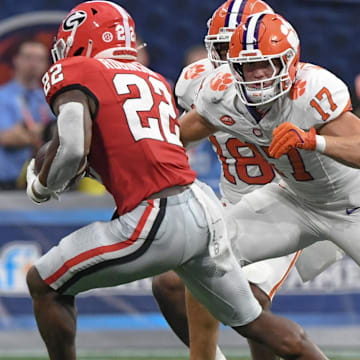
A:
x,y
234,13
125,17
251,39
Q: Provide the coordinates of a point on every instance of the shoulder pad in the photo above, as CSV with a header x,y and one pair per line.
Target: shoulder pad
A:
x,y
215,85
189,82
68,72
319,93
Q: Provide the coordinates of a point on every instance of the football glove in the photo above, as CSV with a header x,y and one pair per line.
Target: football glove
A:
x,y
287,136
35,191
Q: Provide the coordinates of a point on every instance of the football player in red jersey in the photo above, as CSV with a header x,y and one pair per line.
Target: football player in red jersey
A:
x,y
121,116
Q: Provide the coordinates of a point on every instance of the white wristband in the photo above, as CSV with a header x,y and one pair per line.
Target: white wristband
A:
x,y
40,189
320,143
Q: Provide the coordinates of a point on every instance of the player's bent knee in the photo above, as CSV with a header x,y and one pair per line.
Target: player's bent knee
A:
x,y
37,286
287,339
293,343
167,284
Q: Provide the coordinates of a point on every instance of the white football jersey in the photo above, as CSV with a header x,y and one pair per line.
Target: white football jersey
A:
x,y
189,82
316,98
244,168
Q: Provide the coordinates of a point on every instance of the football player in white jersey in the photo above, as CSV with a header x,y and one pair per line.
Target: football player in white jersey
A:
x,y
298,117
244,169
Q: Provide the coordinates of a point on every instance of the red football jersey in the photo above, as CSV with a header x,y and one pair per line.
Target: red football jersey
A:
x,y
135,141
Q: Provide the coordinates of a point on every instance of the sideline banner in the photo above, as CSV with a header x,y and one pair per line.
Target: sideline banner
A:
x,y
331,298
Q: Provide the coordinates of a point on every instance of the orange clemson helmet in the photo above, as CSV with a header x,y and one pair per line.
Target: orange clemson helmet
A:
x,y
100,29
264,37
223,23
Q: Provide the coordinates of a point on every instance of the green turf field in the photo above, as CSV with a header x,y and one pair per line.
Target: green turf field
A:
x,y
153,358
117,358
164,354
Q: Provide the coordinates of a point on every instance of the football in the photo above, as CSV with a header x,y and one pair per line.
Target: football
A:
x,y
51,147
40,156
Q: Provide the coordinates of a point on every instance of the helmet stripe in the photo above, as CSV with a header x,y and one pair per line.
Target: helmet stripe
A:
x,y
241,12
125,17
228,13
257,28
251,33
236,10
244,41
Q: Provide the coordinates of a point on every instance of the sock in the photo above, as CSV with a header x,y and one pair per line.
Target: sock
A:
x,y
219,354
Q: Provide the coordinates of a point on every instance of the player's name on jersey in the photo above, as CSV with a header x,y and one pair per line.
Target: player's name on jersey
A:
x,y
113,64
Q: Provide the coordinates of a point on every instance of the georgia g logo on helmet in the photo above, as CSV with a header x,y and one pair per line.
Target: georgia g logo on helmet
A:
x,y
76,18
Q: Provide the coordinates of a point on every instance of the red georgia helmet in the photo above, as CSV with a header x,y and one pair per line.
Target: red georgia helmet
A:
x,y
264,37
224,22
100,29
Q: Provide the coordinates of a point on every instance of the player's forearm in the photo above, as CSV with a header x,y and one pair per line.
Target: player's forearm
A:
x,y
71,150
194,128
344,149
190,134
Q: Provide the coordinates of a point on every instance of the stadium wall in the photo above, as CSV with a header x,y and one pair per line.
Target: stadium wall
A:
x,y
28,231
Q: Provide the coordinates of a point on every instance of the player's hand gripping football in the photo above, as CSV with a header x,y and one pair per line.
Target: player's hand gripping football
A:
x,y
287,136
37,192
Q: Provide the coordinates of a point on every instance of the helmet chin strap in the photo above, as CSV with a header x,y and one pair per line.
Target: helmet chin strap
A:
x,y
70,40
61,48
89,48
264,94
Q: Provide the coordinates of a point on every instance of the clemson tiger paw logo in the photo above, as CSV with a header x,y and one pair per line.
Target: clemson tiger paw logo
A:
x,y
194,71
221,81
298,89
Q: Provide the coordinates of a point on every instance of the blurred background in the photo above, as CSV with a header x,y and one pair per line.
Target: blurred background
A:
x,y
329,306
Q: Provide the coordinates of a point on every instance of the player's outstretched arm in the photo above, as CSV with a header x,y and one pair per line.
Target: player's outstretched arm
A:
x,y
342,137
194,127
338,139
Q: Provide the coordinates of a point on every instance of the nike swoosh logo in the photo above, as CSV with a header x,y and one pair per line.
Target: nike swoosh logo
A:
x,y
350,211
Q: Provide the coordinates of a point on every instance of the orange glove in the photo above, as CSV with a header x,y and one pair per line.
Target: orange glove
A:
x,y
287,136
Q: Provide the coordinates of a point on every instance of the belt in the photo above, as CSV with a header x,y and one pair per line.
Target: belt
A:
x,y
170,191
